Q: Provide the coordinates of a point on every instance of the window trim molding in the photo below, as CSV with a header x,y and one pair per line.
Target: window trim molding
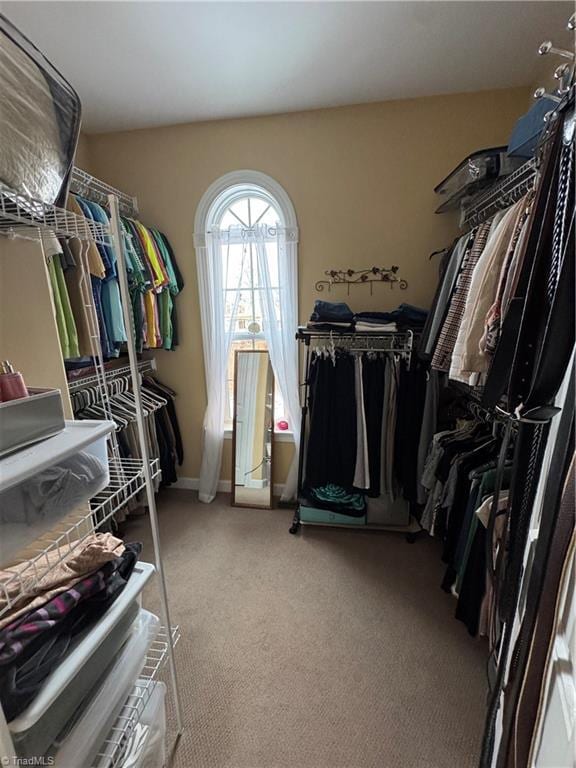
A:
x,y
237,178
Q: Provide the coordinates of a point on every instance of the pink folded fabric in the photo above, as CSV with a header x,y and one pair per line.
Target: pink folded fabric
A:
x,y
32,592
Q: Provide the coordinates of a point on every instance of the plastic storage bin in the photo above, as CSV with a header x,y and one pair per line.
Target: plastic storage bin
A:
x,y
384,511
316,515
72,681
476,172
38,738
84,738
29,419
44,482
147,745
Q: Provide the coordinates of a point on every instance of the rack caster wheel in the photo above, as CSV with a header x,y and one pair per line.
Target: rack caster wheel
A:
x,y
294,528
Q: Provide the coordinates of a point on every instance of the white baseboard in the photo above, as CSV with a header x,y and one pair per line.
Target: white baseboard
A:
x,y
224,486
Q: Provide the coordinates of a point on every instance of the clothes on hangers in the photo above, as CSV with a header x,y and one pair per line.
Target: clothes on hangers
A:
x,y
161,426
65,321
469,358
442,356
154,282
448,273
460,475
494,498
353,430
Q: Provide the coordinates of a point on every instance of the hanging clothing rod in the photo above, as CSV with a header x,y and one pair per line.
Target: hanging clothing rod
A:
x,y
22,216
400,342
144,366
502,195
88,186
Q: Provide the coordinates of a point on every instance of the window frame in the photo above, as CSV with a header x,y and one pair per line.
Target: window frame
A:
x,y
219,196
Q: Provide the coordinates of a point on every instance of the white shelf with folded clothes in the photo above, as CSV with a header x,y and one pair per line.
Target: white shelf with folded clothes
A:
x,y
41,555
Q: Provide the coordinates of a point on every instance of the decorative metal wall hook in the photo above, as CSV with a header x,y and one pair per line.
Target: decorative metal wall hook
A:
x,y
547,47
541,92
369,276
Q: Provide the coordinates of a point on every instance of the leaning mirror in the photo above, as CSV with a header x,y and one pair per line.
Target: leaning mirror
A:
x,y
253,430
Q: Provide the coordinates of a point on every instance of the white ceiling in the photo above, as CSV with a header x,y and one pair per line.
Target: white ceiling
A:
x,y
139,64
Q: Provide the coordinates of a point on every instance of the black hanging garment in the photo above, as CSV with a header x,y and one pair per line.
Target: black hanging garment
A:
x,y
540,307
373,386
331,449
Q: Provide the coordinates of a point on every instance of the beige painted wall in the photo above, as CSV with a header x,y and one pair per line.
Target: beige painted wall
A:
x,y
361,179
82,158
28,330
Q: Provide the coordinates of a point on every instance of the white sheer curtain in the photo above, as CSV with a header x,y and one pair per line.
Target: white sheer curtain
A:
x,y
216,337
277,265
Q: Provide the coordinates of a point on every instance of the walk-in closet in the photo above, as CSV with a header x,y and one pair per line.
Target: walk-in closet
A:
x,y
287,384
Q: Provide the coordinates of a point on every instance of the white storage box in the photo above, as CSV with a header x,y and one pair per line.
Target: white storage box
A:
x,y
385,511
83,739
72,681
29,419
45,482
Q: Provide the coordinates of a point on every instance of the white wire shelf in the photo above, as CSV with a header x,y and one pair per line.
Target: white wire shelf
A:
x,y
114,747
499,196
368,341
126,481
88,186
22,216
144,366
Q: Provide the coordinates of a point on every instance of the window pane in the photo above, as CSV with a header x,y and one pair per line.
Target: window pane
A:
x,y
240,208
228,220
244,314
271,217
272,262
236,266
257,208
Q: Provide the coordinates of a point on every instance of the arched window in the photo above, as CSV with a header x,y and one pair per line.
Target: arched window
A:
x,y
238,211
246,244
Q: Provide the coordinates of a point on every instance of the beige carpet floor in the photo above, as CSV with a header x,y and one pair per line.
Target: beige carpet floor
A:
x,y
332,649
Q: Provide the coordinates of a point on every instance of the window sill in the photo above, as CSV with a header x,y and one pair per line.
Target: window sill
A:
x,y
280,436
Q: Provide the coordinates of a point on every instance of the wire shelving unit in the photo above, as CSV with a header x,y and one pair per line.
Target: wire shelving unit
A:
x,y
84,184
93,380
501,195
23,217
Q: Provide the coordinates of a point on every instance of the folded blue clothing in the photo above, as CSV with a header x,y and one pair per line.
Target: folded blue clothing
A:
x,y
335,327
331,312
